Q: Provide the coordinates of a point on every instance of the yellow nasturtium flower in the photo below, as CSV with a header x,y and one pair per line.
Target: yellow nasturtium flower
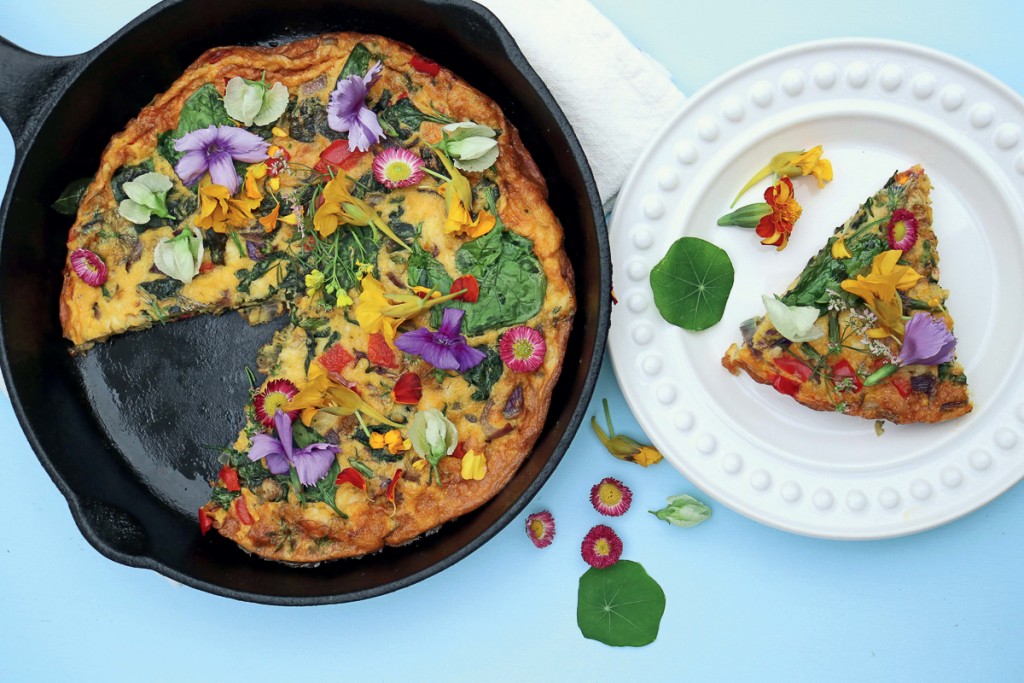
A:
x,y
880,291
219,211
791,165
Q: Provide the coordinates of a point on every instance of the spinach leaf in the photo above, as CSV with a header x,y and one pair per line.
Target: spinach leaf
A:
x,y
426,271
304,436
512,282
68,201
484,375
126,174
222,498
402,118
323,491
309,119
824,272
405,231
164,288
357,64
247,276
203,109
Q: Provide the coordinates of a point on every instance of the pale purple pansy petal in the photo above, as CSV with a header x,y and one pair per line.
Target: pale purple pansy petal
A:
x,y
313,461
196,141
242,145
222,171
277,463
347,111
445,349
467,357
264,445
191,167
283,424
926,341
214,149
451,322
416,341
373,73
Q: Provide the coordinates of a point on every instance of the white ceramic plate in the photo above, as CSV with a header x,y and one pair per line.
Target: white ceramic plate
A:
x,y
877,107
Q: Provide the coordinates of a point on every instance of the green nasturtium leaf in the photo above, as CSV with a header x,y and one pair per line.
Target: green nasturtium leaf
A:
x,y
621,605
692,283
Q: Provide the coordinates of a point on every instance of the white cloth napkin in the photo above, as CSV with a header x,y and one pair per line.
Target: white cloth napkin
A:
x,y
615,96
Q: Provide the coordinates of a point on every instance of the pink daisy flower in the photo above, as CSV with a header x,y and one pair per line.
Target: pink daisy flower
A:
x,y
397,167
89,266
602,547
611,497
522,349
540,527
902,231
275,396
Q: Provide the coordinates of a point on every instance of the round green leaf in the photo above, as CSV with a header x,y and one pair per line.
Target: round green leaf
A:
x,y
692,283
621,605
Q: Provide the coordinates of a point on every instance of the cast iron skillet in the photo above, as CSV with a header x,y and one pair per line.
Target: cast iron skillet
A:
x,y
125,431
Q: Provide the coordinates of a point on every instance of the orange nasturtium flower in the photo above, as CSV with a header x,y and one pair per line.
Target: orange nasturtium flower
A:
x,y
775,227
880,291
222,213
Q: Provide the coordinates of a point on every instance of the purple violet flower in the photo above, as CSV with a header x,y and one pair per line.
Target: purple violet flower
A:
x,y
445,349
311,463
215,149
347,111
926,341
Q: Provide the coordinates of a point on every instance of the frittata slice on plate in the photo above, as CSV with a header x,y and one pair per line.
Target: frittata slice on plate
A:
x,y
864,330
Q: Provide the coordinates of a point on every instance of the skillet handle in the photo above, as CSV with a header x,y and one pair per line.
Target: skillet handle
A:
x,y
30,86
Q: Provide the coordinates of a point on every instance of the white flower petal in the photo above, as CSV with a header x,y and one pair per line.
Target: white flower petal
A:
x,y
481,163
133,211
243,99
467,129
795,323
275,101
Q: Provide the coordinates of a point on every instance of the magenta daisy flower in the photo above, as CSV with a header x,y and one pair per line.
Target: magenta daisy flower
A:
x,y
522,348
274,396
397,167
89,266
611,497
347,111
902,230
216,149
540,527
602,547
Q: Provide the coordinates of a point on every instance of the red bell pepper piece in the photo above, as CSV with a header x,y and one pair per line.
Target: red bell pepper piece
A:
x,y
408,389
902,385
794,366
379,353
785,385
843,370
229,476
205,523
425,66
337,156
468,283
242,511
350,475
335,359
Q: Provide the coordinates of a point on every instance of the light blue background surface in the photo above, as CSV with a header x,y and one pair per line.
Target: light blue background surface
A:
x,y
745,602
